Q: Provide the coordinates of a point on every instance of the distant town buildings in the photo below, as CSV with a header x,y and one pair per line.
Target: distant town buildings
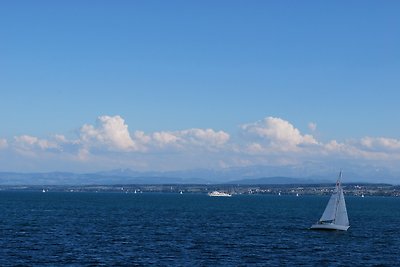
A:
x,y
361,190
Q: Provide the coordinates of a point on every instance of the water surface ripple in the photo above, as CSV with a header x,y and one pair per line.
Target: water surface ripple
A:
x,y
109,229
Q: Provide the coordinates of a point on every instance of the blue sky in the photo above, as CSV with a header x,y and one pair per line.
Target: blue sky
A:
x,y
244,70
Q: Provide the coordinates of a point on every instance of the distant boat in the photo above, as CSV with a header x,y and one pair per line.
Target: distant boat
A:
x,y
335,214
219,194
181,192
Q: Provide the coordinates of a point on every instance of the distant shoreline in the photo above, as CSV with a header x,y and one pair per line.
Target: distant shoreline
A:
x,y
285,189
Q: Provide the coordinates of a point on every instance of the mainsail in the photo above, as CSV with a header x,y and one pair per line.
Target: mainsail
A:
x,y
329,214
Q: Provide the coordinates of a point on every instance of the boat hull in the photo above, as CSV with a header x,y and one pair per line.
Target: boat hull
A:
x,y
329,227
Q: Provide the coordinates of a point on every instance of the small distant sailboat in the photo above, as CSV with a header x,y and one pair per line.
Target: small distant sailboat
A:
x,y
335,214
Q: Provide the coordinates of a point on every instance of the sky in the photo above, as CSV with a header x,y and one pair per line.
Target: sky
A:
x,y
175,85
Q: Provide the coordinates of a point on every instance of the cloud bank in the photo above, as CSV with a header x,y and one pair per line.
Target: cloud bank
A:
x,y
111,133
109,143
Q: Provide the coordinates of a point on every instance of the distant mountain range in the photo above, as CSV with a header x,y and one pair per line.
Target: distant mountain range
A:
x,y
280,180
65,178
245,176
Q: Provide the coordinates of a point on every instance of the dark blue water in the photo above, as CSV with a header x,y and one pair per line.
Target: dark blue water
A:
x,y
92,229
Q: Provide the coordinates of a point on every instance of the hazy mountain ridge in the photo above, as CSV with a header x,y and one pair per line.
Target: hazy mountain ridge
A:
x,y
65,178
309,173
243,175
279,180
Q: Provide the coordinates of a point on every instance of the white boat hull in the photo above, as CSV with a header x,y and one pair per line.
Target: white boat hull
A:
x,y
329,226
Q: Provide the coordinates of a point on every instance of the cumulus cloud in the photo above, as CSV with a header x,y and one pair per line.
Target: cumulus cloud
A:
x,y
111,132
279,134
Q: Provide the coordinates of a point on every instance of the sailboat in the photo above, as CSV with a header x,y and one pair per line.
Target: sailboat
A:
x,y
335,214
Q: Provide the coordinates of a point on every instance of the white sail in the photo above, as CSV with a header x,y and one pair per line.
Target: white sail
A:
x,y
341,214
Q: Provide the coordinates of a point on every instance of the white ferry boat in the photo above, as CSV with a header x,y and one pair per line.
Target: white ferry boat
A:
x,y
219,194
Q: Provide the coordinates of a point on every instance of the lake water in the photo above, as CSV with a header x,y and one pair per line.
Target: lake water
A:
x,y
95,229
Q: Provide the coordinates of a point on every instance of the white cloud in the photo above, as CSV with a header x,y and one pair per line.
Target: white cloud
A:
x,y
3,143
163,139
358,150
28,142
254,148
206,138
141,137
335,146
380,143
60,138
111,132
279,134
83,154
312,126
